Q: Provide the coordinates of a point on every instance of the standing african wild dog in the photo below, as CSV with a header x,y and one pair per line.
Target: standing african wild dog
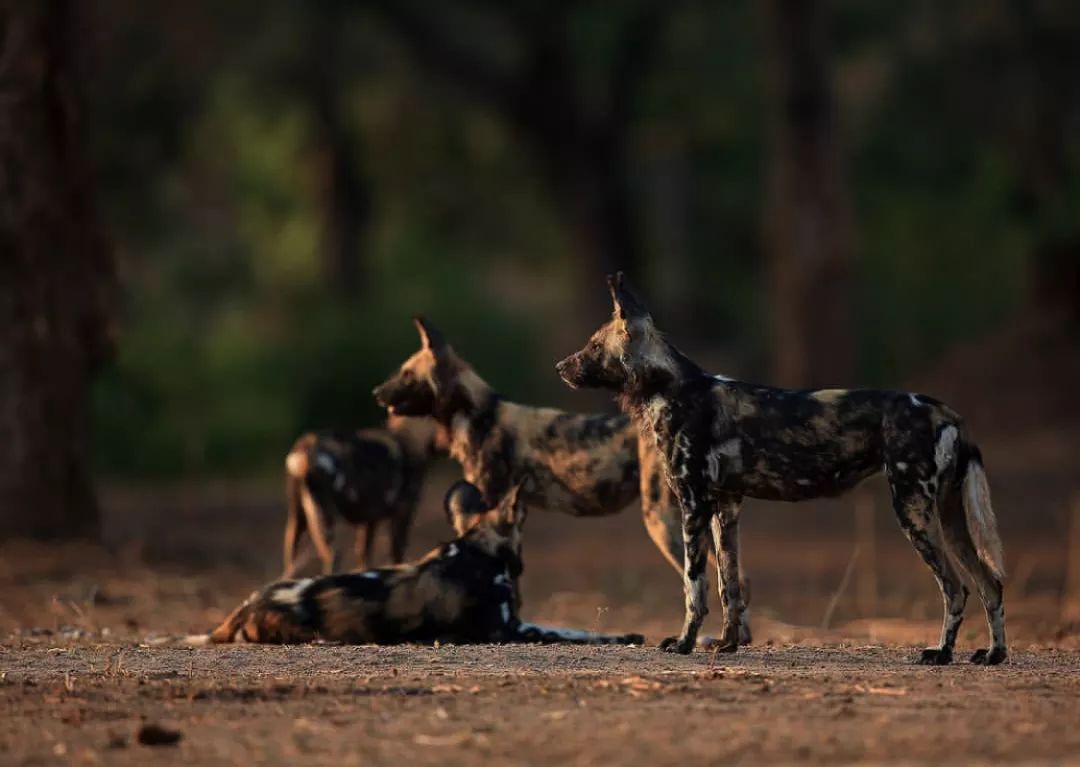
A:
x,y
721,440
363,477
587,465
461,592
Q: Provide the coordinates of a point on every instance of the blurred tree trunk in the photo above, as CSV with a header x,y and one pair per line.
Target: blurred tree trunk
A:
x,y
345,198
581,144
808,233
56,278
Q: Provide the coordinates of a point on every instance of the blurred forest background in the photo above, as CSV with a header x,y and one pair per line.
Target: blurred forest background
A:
x,y
260,195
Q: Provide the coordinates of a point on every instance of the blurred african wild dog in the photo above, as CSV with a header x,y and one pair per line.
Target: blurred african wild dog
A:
x,y
721,440
461,592
364,477
587,465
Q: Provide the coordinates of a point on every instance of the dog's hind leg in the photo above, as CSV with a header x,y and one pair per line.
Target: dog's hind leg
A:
x,y
321,528
987,579
400,527
365,543
295,525
918,517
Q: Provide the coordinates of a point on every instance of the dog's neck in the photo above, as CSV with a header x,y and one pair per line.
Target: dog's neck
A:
x,y
416,435
496,548
660,375
468,404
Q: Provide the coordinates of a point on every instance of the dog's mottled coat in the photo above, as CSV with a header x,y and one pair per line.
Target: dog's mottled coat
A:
x,y
462,592
363,477
587,465
721,440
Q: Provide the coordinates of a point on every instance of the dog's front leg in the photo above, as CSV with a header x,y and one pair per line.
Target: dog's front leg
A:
x,y
695,517
725,530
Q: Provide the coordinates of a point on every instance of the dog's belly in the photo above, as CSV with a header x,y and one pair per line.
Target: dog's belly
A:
x,y
587,484
586,499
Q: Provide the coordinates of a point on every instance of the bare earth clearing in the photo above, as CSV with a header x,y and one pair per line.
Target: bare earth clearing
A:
x,y
323,705
80,672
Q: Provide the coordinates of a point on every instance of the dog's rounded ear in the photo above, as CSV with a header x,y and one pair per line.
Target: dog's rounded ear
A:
x,y
626,303
430,337
462,501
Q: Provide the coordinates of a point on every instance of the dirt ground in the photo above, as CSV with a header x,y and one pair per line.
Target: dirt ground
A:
x,y
840,607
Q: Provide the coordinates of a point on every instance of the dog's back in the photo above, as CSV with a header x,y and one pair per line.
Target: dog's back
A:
x,y
453,595
363,477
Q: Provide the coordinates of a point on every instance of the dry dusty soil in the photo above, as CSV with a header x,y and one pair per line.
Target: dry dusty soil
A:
x,y
85,703
85,679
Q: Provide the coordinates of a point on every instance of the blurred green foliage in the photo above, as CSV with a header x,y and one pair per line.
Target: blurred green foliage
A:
x,y
234,339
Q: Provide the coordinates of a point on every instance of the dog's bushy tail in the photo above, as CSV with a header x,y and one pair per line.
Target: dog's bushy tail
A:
x,y
978,512
230,629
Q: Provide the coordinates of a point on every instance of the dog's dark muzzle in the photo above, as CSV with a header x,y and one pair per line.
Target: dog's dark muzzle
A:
x,y
569,370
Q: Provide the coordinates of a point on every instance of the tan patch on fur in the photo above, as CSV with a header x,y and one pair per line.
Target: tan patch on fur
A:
x,y
829,395
296,462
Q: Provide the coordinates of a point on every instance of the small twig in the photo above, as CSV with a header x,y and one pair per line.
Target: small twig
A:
x,y
835,599
599,613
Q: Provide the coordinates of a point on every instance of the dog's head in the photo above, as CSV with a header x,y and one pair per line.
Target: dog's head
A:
x,y
496,530
424,379
622,350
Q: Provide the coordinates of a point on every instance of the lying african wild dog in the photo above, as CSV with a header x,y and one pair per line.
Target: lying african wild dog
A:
x,y
721,440
587,465
364,477
461,592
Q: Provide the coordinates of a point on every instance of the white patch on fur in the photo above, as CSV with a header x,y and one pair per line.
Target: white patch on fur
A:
x,y
915,400
712,467
339,481
502,579
373,575
325,462
731,451
901,465
290,595
723,379
451,550
804,482
945,450
505,607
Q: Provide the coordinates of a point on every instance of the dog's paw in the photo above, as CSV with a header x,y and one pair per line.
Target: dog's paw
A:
x,y
991,657
679,645
935,656
745,635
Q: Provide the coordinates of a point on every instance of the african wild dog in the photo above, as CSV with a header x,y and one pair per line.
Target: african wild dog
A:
x,y
461,592
364,477
722,440
587,465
